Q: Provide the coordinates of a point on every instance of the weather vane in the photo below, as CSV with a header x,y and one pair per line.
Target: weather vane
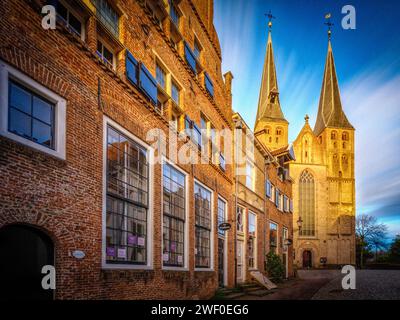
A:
x,y
329,24
270,17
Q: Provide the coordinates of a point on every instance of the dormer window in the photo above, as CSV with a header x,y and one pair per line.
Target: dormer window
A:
x,y
333,135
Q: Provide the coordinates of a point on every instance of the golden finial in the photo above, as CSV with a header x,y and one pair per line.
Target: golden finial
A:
x,y
270,17
329,24
306,118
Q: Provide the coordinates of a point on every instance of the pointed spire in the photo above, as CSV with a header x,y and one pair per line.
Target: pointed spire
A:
x,y
330,111
268,104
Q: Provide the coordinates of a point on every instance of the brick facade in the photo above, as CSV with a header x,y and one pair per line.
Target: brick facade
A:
x,y
65,197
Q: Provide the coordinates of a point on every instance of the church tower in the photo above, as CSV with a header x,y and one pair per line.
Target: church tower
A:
x,y
271,127
324,181
336,136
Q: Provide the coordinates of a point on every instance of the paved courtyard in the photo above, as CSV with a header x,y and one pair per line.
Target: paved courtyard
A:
x,y
326,285
370,284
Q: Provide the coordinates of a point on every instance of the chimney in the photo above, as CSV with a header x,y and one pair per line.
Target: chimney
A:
x,y
228,81
228,85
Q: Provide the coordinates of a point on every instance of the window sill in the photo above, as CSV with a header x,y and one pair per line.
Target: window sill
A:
x,y
125,267
181,269
204,269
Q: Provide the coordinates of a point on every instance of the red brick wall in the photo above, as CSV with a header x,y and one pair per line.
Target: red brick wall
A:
x,y
64,198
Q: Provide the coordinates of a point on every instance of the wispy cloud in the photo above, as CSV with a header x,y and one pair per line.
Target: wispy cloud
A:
x,y
369,82
372,101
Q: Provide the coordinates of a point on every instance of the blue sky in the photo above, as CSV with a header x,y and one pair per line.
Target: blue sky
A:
x,y
368,67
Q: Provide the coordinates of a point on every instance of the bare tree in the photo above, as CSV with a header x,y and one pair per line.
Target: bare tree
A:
x,y
370,233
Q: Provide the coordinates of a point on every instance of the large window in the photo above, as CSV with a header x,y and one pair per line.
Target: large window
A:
x,y
30,115
307,204
203,226
273,237
173,217
221,215
252,239
127,200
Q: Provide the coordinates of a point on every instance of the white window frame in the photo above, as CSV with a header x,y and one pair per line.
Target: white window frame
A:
x,y
244,219
150,212
225,241
212,251
255,253
77,16
250,164
277,236
8,73
186,228
109,48
273,195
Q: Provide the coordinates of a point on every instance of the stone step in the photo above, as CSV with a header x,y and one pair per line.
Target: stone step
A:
x,y
250,289
249,285
234,295
260,292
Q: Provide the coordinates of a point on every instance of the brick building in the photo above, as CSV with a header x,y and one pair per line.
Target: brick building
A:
x,y
78,186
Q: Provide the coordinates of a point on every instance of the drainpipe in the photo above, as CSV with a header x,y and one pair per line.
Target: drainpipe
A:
x,y
238,126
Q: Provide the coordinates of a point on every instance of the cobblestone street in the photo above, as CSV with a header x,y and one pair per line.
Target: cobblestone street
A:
x,y
370,284
326,285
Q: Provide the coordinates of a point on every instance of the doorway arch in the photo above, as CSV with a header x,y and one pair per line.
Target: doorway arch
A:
x,y
307,259
24,251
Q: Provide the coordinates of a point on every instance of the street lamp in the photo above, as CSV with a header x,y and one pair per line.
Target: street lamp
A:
x,y
299,223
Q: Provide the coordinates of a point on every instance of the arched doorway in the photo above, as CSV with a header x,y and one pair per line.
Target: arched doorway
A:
x,y
307,259
24,251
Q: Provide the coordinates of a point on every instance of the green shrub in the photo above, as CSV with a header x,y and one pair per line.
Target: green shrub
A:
x,y
275,267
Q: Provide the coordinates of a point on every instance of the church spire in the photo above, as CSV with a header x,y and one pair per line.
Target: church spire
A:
x,y
330,111
269,108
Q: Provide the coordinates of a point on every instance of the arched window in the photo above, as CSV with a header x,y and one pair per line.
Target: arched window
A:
x,y
278,131
344,145
345,136
333,135
307,203
270,139
268,130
